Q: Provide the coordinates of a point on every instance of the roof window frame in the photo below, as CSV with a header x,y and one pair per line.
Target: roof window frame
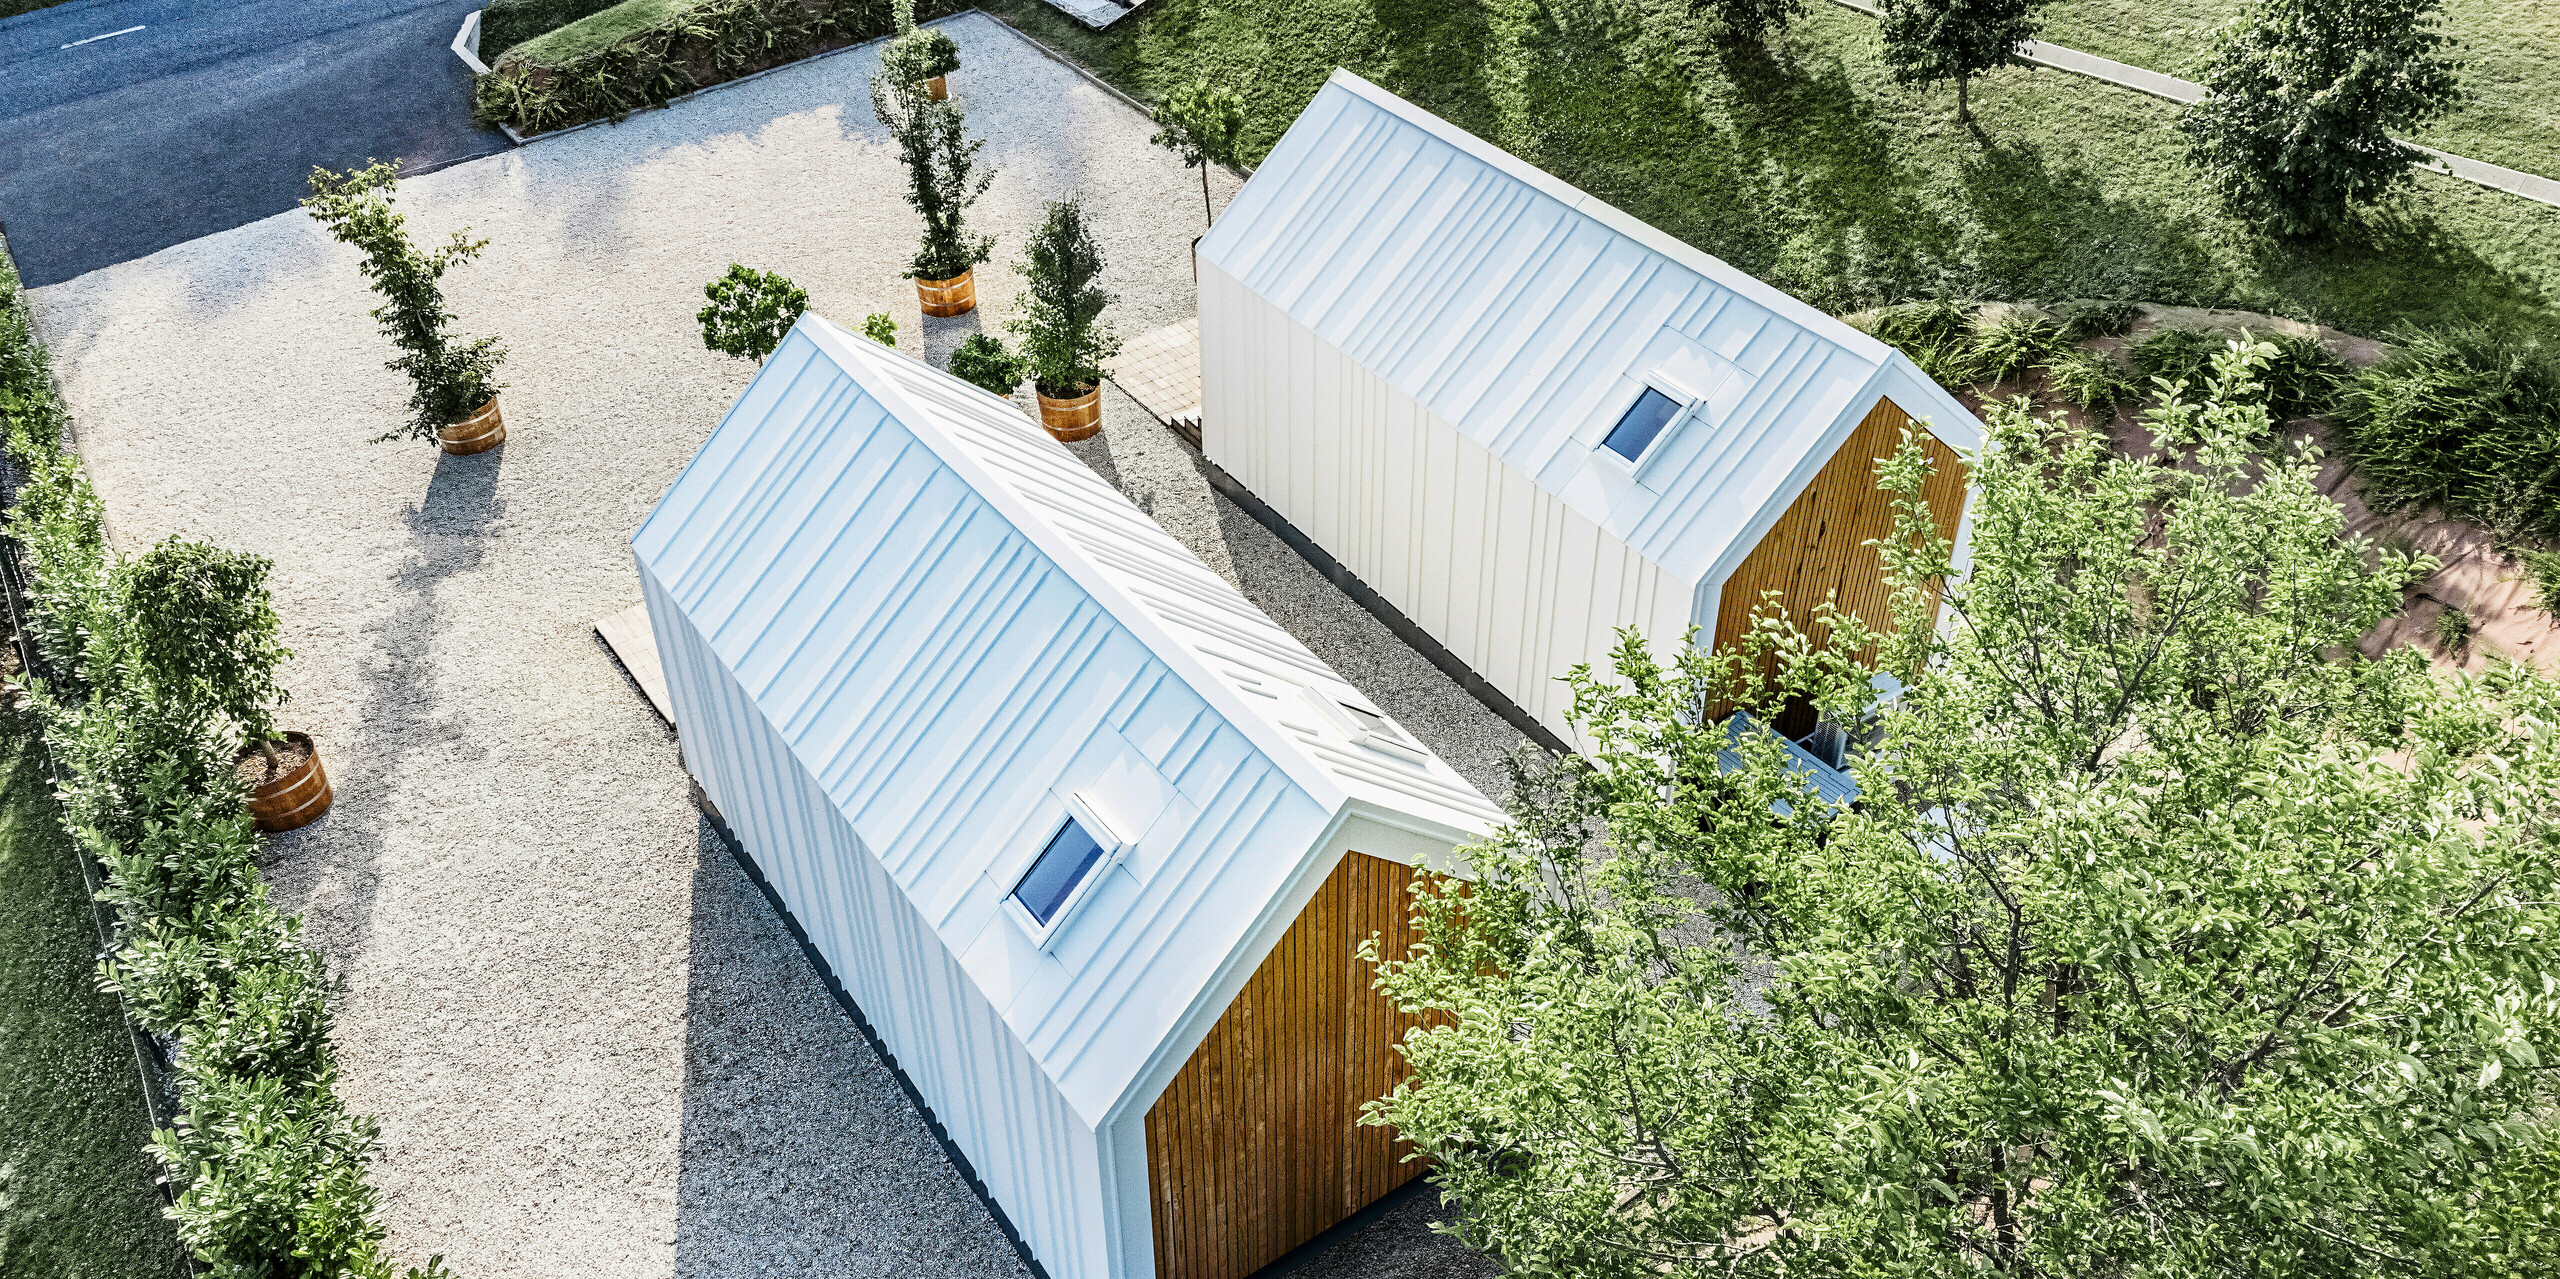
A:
x,y
1076,807
1690,403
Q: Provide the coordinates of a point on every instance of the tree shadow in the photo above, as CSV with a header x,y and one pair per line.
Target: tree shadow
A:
x,y
2046,228
2394,267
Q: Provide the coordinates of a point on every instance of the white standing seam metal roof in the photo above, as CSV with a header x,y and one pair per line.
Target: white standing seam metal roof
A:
x,y
826,541
1524,311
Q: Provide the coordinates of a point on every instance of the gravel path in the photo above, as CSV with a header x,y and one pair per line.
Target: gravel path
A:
x,y
592,1046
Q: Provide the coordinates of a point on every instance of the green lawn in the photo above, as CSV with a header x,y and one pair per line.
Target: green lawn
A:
x,y
76,1197
1808,168
2512,48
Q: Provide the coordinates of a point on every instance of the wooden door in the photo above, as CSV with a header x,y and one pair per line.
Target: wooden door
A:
x,y
1256,1145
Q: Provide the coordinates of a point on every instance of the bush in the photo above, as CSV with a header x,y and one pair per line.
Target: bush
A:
x,y
2090,380
2466,420
205,633
2542,569
751,312
2453,630
1059,318
508,23
2180,357
447,380
642,53
2301,379
982,361
2005,351
2082,321
1937,335
878,327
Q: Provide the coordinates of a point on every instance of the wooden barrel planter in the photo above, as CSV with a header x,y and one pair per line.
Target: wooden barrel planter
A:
x,y
297,797
1077,417
936,89
945,298
484,430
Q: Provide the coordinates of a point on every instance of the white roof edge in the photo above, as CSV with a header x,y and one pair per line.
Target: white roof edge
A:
x,y
1267,737
1725,274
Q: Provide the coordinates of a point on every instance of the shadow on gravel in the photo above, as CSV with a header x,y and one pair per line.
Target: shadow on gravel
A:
x,y
799,1154
402,735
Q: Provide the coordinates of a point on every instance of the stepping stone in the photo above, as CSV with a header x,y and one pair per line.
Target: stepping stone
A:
x,y
1161,371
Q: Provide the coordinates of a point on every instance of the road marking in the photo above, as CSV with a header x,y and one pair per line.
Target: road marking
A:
x,y
108,36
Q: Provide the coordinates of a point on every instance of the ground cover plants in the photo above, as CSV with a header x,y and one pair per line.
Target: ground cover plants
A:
x,y
1802,162
2466,419
448,378
642,53
76,1194
2170,936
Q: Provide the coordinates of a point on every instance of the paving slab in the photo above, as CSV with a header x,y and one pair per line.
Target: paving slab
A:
x,y
592,1046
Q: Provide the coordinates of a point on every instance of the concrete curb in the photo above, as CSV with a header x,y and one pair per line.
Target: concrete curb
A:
x,y
2123,75
466,43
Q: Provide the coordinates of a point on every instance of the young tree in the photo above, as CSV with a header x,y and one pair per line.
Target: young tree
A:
x,y
1059,322
1201,123
942,176
751,312
2301,99
205,632
448,379
1926,41
2168,937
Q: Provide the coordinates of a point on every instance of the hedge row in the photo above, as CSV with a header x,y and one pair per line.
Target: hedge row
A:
x,y
267,1162
697,44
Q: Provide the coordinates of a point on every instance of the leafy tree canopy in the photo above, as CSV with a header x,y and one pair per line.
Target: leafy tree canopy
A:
x,y
205,631
2301,100
1926,41
1064,340
1201,122
751,312
2169,937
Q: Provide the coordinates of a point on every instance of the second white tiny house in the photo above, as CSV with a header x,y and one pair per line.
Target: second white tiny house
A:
x,y
1527,419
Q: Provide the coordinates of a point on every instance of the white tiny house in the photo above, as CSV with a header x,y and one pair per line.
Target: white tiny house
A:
x,y
1526,419
1088,838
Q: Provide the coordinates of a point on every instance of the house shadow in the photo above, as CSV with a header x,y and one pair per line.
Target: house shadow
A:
x,y
402,736
799,1153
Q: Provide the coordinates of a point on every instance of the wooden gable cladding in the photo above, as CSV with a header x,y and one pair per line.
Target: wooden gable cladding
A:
x,y
1818,550
1256,1146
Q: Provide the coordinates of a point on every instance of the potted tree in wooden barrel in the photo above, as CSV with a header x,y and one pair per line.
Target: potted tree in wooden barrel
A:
x,y
943,180
204,635
454,387
1064,339
920,55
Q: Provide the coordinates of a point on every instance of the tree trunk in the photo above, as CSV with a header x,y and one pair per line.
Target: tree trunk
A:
x,y
1964,106
1206,214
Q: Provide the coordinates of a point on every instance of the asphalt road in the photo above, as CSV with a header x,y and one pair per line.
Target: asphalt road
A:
x,y
212,116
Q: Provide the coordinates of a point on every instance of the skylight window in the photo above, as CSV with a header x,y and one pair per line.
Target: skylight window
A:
x,y
1061,868
1643,423
1370,721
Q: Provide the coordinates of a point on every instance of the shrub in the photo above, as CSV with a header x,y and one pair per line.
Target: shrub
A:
x,y
942,175
2005,351
751,312
1201,123
2082,321
2542,569
2089,380
878,327
508,23
642,53
2453,629
448,380
983,361
1059,319
2179,357
2301,378
1937,335
2466,420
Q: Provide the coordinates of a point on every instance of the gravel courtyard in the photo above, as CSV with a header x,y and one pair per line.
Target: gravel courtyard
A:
x,y
592,1046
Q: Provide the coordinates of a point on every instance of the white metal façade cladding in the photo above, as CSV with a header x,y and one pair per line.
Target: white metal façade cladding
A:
x,y
904,635
1414,343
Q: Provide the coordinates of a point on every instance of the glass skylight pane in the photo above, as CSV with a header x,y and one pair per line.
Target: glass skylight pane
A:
x,y
1634,433
1052,879
1371,720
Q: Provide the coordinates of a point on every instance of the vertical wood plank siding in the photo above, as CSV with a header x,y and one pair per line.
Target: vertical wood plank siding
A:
x,y
1256,1145
1518,585
1818,550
